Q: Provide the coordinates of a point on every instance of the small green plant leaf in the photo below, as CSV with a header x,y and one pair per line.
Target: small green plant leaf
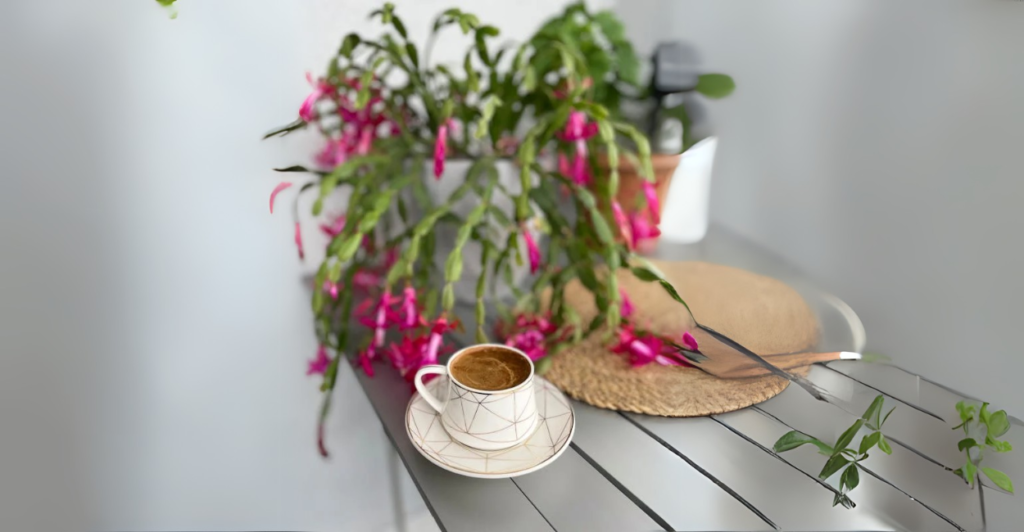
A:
x,y
883,444
998,424
399,27
296,168
846,437
414,56
318,301
869,441
998,478
965,410
448,298
851,477
349,247
844,500
348,44
793,439
715,85
966,443
969,471
610,25
886,418
490,105
984,414
284,130
998,446
833,466
872,416
172,11
647,272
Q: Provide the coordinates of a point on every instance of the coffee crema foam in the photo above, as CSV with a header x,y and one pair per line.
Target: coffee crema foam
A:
x,y
491,369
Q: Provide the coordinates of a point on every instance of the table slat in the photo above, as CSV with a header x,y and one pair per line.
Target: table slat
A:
x,y
574,496
676,492
900,384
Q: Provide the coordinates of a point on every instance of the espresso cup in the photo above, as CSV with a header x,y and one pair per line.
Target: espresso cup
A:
x,y
485,419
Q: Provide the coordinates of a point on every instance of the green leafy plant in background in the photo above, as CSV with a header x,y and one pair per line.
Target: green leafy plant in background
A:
x,y
598,39
980,424
172,11
843,457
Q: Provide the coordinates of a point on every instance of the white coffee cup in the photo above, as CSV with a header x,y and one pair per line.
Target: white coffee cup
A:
x,y
489,420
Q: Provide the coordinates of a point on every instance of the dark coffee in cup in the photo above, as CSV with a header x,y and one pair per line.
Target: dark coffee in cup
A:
x,y
491,368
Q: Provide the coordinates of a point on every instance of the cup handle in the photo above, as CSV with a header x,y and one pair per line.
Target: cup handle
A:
x,y
422,388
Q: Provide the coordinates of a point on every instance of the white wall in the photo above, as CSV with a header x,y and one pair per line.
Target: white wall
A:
x,y
878,145
153,327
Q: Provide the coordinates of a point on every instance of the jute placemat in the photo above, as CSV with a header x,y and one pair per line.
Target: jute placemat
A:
x,y
763,314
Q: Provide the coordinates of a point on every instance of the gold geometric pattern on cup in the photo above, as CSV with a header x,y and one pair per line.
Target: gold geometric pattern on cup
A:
x,y
554,426
503,407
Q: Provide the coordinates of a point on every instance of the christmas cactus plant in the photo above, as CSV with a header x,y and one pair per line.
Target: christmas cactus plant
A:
x,y
390,119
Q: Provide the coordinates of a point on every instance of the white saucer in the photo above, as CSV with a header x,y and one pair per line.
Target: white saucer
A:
x,y
554,430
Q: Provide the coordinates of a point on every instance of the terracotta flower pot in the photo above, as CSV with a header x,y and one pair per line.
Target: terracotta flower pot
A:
x,y
630,193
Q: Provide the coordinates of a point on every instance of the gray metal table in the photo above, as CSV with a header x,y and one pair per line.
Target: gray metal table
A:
x,y
632,472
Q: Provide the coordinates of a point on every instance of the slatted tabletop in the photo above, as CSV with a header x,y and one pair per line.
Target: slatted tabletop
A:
x,y
633,472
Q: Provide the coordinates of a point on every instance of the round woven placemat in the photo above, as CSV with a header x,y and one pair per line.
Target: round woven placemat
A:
x,y
763,314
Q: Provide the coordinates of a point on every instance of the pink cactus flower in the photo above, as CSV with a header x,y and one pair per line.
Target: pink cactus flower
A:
x,y
625,229
407,355
298,240
331,288
530,342
627,305
441,149
366,359
277,190
379,318
578,130
690,342
563,165
532,251
530,334
307,111
642,349
434,342
410,315
365,139
335,226
580,169
318,365
640,229
334,153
